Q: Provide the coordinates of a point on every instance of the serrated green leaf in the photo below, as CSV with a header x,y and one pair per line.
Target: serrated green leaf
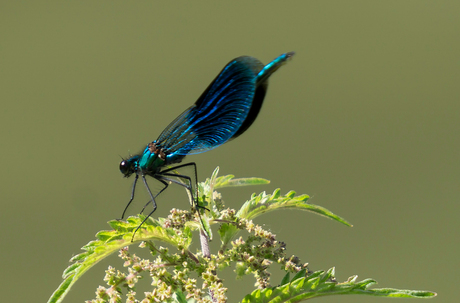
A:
x,y
298,275
111,241
228,181
320,283
179,297
264,203
285,279
226,232
402,293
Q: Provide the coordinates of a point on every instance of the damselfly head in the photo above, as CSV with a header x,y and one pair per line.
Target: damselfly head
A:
x,y
128,166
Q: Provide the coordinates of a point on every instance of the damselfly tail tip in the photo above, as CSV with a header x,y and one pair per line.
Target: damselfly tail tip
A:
x,y
290,54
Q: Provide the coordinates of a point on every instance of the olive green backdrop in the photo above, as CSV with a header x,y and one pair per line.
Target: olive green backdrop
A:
x,y
365,119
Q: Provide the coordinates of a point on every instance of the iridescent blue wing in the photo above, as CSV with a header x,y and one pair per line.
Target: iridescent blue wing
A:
x,y
224,111
261,89
217,114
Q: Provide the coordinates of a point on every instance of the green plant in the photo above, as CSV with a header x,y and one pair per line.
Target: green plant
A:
x,y
185,276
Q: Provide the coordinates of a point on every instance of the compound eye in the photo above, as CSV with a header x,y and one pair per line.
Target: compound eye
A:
x,y
126,168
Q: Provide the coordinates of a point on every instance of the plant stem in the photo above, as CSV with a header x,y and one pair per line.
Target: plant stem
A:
x,y
205,244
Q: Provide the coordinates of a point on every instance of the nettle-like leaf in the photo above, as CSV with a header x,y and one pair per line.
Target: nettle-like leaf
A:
x,y
177,231
229,181
206,188
111,241
263,203
318,284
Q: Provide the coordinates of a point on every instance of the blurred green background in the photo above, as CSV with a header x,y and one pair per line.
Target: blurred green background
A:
x,y
365,119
